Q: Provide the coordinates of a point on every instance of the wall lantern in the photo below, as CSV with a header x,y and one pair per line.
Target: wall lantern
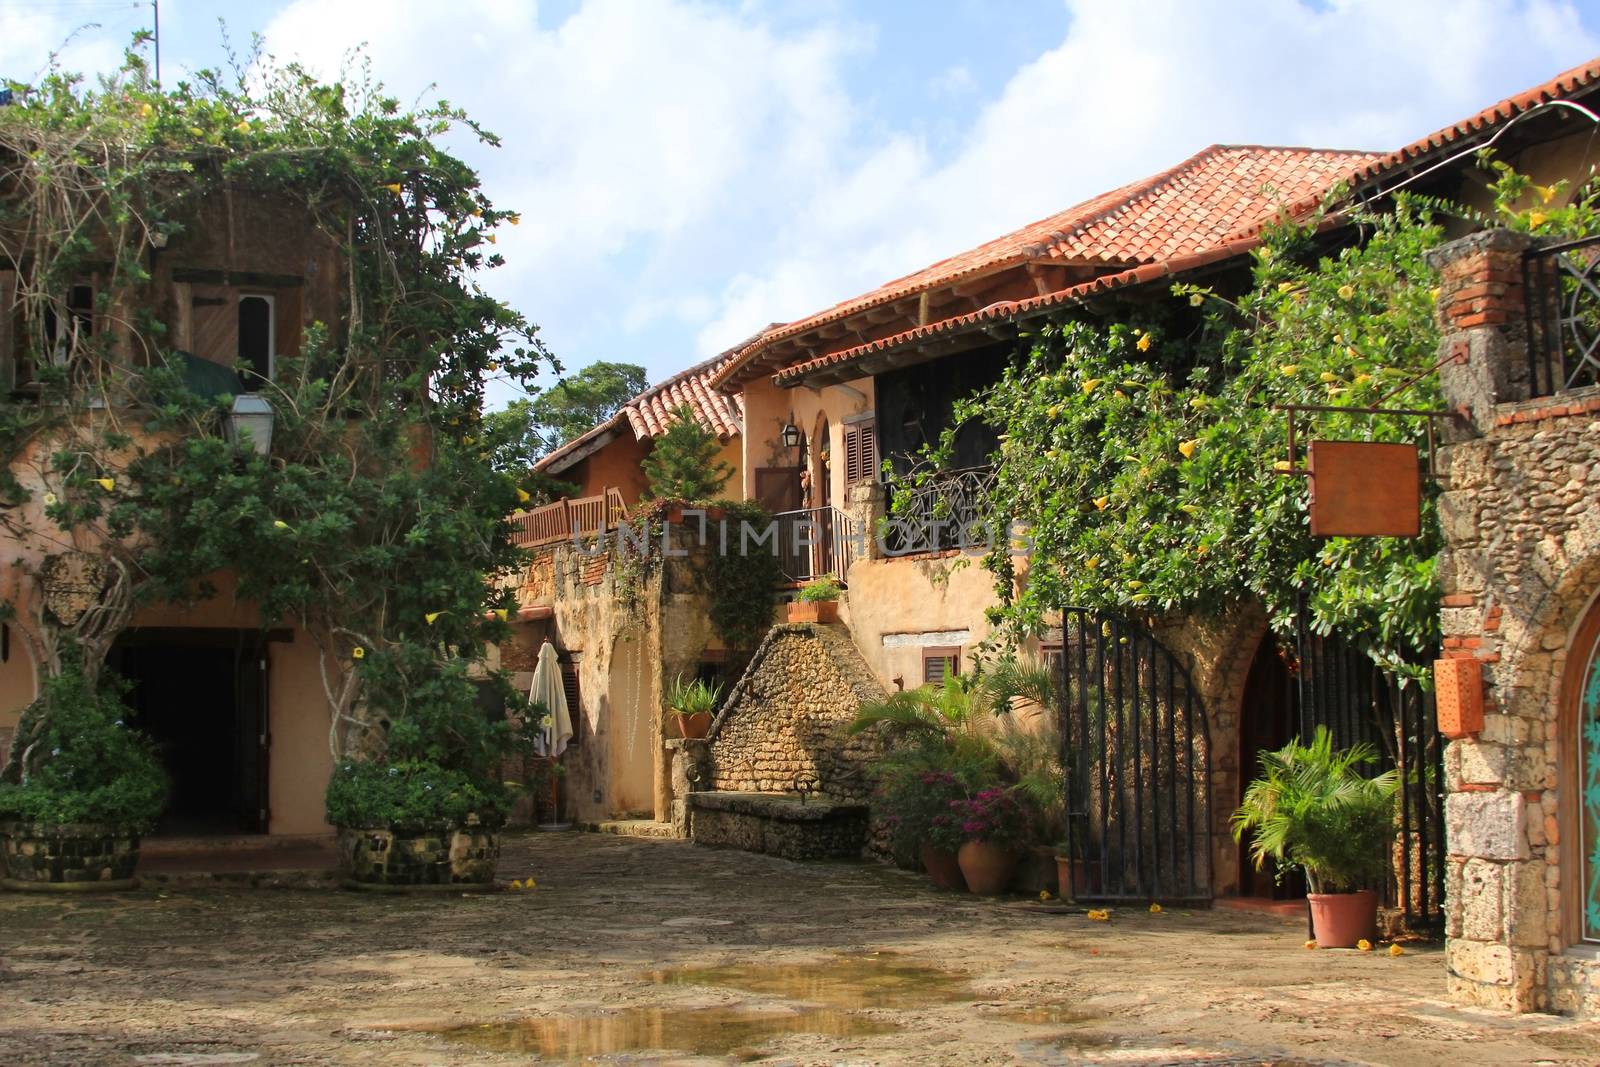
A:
x,y
791,436
251,417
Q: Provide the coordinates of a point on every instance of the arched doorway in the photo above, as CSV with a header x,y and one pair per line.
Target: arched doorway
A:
x,y
1580,691
1269,716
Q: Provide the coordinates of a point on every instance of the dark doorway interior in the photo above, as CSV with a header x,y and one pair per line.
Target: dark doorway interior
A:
x,y
1269,718
199,695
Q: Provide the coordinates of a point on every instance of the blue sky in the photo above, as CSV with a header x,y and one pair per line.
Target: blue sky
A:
x,y
689,171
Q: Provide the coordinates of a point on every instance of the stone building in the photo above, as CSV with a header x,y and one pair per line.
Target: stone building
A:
x,y
1521,582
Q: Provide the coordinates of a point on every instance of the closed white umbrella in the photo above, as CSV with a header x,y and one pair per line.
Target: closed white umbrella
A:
x,y
548,690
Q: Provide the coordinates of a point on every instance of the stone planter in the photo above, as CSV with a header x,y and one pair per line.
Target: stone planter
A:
x,y
944,870
694,726
813,611
987,868
1339,920
74,856
444,858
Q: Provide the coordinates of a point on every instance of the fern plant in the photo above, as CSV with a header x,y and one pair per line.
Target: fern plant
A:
x,y
1313,808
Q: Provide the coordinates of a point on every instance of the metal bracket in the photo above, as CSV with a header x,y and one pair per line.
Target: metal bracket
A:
x,y
1289,410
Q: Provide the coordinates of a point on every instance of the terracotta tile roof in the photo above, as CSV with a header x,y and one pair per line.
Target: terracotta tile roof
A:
x,y
1187,208
1164,220
651,412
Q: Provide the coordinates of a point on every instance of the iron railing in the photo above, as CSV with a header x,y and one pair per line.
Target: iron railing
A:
x,y
1561,287
1342,689
946,511
565,519
1137,755
815,543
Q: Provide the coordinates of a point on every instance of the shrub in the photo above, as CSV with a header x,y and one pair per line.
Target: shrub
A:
x,y
1312,808
993,817
411,795
86,764
819,591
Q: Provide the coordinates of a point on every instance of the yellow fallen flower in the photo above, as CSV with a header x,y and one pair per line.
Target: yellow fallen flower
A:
x,y
358,653
107,484
1044,894
1396,950
1364,945
1311,944
1099,915
1155,909
516,883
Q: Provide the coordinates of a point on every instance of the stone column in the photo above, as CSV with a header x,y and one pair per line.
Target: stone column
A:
x,y
866,503
1500,881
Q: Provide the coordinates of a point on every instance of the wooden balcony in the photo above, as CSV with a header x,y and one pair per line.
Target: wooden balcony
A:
x,y
566,519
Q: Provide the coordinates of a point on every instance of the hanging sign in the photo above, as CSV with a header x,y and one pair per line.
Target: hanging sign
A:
x,y
1364,489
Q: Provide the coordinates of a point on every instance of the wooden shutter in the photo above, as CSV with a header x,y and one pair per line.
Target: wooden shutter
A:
x,y
569,683
778,488
938,662
860,452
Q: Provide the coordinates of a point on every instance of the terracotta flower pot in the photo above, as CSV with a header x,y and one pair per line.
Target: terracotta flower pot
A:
x,y
813,611
1076,879
944,870
693,726
987,868
1339,920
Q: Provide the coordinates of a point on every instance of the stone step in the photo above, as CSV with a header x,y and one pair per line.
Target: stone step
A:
x,y
632,828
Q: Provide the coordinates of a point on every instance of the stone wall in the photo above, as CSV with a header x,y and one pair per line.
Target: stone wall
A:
x,y
784,724
1521,565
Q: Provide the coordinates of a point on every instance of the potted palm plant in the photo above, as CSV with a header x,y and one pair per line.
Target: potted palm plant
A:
x,y
1313,808
816,601
692,704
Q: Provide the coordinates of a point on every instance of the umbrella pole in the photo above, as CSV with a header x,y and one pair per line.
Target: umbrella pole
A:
x,y
555,801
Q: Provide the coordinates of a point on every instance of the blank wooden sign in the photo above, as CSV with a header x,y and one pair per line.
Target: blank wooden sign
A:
x,y
1364,489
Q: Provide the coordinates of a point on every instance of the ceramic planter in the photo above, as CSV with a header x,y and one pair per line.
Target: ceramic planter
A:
x,y
67,857
944,870
987,868
441,858
1076,879
692,726
1339,920
813,611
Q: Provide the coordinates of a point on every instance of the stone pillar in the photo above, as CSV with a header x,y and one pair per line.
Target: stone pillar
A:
x,y
690,772
1499,877
866,503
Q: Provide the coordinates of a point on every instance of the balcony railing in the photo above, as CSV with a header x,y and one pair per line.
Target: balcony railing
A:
x,y
565,519
1561,284
944,512
815,543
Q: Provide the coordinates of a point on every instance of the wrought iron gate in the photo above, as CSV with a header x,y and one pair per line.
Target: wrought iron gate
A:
x,y
1343,689
1137,754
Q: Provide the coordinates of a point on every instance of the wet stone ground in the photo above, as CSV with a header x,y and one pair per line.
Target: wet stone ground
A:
x,y
638,951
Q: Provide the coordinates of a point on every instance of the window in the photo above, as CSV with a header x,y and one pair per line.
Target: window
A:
x,y
569,683
938,662
860,451
256,335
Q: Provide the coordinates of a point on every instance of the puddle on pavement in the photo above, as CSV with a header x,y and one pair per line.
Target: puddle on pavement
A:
x,y
1048,1015
872,980
704,1031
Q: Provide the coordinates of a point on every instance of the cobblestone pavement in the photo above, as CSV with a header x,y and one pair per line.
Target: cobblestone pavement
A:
x,y
629,949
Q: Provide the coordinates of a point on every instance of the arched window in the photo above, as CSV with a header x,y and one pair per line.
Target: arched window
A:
x,y
1581,693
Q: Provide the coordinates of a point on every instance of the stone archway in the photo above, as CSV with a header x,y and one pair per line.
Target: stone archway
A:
x,y
1578,730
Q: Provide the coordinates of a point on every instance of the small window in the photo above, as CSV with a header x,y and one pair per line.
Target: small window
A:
x,y
940,662
256,339
860,452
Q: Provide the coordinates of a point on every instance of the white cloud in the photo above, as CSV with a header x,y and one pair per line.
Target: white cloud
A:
x,y
1135,88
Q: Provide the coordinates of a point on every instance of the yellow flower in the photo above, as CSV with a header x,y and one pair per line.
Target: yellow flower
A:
x,y
502,614
1120,395
1347,292
1201,549
1189,509
1547,193
107,484
279,524
523,495
1284,287
393,187
1188,447
1055,411
1090,384
1195,300
514,218
1536,218
490,238
1396,950
1289,370
1311,944
1199,402
1281,465
529,884
1364,945
1099,915
1155,909
1433,294
432,617
1144,343
1328,376
145,111
49,500
492,367
1361,379
1100,502
1044,894
1092,562
243,126
358,653
516,883
1135,584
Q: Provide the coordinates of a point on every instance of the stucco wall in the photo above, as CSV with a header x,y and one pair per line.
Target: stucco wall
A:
x,y
767,409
